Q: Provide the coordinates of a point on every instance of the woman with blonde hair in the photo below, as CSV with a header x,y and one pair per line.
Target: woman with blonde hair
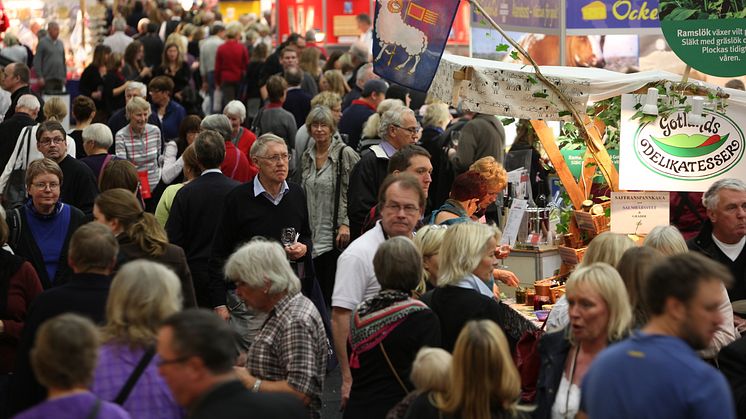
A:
x,y
142,295
334,81
607,247
484,382
600,314
429,240
308,61
465,279
666,239
140,236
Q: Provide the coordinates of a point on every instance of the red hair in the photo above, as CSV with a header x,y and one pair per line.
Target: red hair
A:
x,y
469,185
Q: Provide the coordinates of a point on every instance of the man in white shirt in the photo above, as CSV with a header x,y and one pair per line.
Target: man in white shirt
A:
x,y
365,26
402,203
118,41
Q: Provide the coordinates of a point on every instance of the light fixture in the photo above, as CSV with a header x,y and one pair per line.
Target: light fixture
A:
x,y
319,37
651,102
695,117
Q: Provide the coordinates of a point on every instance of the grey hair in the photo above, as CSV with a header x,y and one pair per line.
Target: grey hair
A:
x,y
261,143
209,147
711,197
140,87
666,239
137,104
28,101
235,108
320,115
370,126
119,24
100,134
393,116
360,52
10,40
260,260
219,123
364,73
398,264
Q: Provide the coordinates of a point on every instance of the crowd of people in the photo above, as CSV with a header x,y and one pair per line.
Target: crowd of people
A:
x,y
227,222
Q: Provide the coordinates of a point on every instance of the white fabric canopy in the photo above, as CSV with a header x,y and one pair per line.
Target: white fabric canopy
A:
x,y
506,89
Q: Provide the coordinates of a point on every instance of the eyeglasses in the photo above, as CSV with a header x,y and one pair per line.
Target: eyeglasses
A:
x,y
412,130
277,157
319,126
56,140
42,185
179,360
408,209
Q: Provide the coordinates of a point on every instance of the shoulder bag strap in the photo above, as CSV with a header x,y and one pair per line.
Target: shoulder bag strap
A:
x,y
93,414
238,160
132,380
393,370
28,145
337,193
16,224
107,159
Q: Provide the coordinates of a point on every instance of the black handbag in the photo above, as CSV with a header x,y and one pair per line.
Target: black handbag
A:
x,y
14,194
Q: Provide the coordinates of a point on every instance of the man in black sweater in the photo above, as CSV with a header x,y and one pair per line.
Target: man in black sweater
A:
x,y
79,183
262,208
192,221
92,255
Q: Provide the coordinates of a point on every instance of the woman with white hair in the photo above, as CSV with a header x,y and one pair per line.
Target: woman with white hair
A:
x,y
142,295
241,136
97,140
289,353
465,279
231,60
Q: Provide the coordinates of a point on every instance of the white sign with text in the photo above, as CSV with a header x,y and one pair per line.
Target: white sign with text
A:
x,y
638,212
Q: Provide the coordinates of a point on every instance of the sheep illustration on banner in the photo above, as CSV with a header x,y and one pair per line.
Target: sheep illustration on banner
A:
x,y
408,39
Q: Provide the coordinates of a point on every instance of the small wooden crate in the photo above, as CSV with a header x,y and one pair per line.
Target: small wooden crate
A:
x,y
595,224
571,256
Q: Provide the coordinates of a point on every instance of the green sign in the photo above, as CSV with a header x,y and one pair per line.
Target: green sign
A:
x,y
574,160
707,35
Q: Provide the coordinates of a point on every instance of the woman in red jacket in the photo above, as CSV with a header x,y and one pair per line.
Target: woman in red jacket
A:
x,y
230,63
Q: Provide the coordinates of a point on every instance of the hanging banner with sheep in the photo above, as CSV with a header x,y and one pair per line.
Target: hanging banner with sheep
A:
x,y
408,39
686,150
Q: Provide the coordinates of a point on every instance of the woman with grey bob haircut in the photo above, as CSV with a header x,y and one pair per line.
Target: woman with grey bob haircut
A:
x,y
289,353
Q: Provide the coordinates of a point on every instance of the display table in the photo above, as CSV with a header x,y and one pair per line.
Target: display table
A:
x,y
518,318
532,265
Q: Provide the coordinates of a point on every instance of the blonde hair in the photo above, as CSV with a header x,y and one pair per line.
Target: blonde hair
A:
x,y
142,295
336,81
431,369
603,279
140,226
463,247
308,61
55,109
666,239
492,172
607,247
429,240
634,267
436,114
371,126
482,373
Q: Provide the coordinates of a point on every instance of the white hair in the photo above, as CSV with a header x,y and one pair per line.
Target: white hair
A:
x,y
119,24
28,102
261,143
261,260
100,134
140,87
711,197
235,108
393,116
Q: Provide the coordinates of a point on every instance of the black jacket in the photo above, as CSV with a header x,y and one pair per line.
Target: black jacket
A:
x,y
233,400
704,244
362,193
732,363
553,350
78,185
24,90
10,129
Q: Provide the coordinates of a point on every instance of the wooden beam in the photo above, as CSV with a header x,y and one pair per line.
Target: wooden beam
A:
x,y
546,136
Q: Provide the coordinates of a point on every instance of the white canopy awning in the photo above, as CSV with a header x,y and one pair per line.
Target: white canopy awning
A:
x,y
509,89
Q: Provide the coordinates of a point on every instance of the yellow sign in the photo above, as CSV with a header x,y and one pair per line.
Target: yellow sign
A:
x,y
594,11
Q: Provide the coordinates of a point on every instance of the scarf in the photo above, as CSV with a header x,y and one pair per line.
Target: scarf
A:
x,y
376,317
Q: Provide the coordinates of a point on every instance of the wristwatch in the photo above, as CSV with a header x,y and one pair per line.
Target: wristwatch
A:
x,y
255,388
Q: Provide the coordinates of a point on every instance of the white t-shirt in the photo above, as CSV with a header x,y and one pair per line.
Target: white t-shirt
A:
x,y
730,250
355,279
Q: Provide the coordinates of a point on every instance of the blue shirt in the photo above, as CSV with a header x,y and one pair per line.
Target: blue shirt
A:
x,y
175,113
259,190
654,377
49,233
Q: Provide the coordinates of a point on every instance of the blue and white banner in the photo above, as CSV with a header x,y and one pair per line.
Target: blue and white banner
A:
x,y
409,37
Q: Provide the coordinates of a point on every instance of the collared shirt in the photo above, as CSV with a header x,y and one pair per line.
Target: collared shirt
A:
x,y
118,41
473,282
388,148
292,346
217,170
259,190
142,149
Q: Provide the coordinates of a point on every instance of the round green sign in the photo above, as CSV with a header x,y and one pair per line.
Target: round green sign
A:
x,y
710,35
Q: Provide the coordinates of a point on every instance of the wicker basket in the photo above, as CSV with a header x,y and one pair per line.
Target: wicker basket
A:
x,y
571,256
594,223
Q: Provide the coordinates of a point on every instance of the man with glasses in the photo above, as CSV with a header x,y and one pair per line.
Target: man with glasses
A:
x,y
398,128
196,354
265,207
79,188
402,202
355,116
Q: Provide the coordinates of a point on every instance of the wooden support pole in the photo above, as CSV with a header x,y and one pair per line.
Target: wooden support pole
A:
x,y
546,136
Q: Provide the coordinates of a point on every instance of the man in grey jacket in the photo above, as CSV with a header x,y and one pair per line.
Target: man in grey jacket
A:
x,y
49,61
483,136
